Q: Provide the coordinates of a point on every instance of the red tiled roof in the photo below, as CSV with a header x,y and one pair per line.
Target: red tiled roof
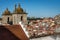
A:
x,y
5,34
17,31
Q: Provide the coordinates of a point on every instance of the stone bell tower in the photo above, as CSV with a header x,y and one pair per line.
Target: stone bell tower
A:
x,y
19,15
6,17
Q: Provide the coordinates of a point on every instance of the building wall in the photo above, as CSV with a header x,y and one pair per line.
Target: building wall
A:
x,y
5,18
52,37
0,21
57,19
25,18
17,18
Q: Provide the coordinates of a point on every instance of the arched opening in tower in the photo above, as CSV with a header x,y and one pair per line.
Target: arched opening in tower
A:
x,y
8,20
21,18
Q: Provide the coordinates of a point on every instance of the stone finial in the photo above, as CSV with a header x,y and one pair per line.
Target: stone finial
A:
x,y
7,9
15,6
18,4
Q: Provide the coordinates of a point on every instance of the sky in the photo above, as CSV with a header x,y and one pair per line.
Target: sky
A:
x,y
34,8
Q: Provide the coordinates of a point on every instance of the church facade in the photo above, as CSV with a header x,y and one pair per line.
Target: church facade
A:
x,y
14,18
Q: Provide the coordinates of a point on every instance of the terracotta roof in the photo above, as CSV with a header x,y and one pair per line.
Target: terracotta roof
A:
x,y
5,34
17,31
45,26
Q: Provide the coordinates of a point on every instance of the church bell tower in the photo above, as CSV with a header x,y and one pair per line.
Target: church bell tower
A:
x,y
19,15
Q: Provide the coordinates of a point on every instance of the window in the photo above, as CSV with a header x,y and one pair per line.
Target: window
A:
x,y
21,18
8,19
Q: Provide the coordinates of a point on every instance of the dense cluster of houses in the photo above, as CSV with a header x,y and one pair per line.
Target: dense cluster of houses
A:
x,y
41,27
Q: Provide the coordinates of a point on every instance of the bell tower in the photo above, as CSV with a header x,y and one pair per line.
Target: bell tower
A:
x,y
19,15
6,17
